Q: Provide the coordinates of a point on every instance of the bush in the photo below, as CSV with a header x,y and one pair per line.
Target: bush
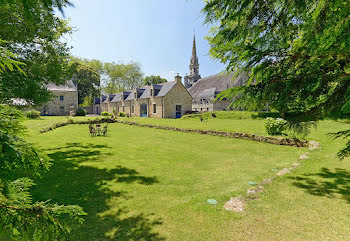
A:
x,y
121,114
32,114
275,126
70,121
81,112
300,129
105,113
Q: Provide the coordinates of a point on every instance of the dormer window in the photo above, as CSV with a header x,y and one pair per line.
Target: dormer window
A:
x,y
135,95
151,92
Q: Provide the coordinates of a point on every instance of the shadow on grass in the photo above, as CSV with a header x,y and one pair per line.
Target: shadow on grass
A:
x,y
329,183
67,182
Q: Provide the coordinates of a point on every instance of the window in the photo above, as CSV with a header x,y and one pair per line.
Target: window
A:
x,y
151,92
178,111
61,98
62,108
154,108
132,109
123,108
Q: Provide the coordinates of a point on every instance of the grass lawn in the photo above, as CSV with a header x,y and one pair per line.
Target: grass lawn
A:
x,y
147,184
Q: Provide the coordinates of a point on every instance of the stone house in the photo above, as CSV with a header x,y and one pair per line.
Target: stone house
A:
x,y
97,106
205,90
64,102
166,100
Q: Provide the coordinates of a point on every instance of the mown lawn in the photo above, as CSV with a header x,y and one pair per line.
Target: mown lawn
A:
x,y
146,184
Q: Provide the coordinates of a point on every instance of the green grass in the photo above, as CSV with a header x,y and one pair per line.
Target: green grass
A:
x,y
142,183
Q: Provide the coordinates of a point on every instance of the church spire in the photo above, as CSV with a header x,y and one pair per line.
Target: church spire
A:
x,y
194,51
194,65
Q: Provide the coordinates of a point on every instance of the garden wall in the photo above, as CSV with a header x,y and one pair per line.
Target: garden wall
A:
x,y
245,136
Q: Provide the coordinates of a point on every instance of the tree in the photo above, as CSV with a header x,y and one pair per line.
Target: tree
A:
x,y
153,79
122,77
34,37
297,54
87,79
20,218
28,44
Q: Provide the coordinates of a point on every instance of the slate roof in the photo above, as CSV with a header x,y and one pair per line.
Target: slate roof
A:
x,y
97,100
209,86
69,86
145,92
110,99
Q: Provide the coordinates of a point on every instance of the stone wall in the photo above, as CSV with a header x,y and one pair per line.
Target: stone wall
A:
x,y
245,136
58,107
178,95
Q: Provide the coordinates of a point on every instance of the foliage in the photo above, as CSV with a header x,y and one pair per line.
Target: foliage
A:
x,y
87,102
122,77
345,152
153,79
20,218
81,112
48,5
32,114
201,116
122,114
105,113
32,36
7,60
275,126
88,81
297,53
297,128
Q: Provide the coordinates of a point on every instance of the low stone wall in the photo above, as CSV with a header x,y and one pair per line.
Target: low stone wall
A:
x,y
244,136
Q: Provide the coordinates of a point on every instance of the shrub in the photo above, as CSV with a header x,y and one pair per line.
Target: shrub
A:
x,y
105,113
32,114
70,121
81,112
121,114
300,129
275,126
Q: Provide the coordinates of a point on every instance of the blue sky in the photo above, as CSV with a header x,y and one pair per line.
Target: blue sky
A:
x,y
156,33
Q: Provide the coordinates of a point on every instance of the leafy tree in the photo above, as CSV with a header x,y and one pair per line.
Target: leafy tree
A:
x,y
20,218
33,36
133,78
30,41
297,54
122,77
153,79
87,79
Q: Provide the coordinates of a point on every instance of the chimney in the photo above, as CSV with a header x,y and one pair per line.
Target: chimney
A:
x,y
178,78
152,90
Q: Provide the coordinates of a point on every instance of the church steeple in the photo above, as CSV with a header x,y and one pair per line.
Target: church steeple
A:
x,y
194,65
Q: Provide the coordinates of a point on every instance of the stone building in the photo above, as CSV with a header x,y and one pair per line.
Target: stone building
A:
x,y
205,90
64,102
97,106
166,100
